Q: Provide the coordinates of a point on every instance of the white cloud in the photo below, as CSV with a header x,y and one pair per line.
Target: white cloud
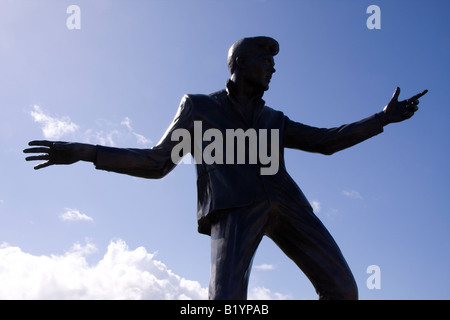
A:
x,y
127,123
264,267
352,194
52,128
120,274
261,293
316,206
142,140
74,215
100,137
106,133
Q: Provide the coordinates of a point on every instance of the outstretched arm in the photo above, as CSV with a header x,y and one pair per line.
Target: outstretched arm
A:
x,y
146,163
329,141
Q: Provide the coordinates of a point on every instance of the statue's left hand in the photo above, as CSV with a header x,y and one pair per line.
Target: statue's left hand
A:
x,y
397,111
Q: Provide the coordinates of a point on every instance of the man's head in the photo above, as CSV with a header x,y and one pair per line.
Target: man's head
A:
x,y
252,60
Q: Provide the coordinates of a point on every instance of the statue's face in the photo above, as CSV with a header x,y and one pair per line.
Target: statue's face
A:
x,y
258,70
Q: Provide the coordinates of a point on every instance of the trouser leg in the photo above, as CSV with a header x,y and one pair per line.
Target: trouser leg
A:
x,y
303,237
235,236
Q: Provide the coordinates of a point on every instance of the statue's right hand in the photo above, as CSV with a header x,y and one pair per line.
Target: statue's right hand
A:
x,y
55,152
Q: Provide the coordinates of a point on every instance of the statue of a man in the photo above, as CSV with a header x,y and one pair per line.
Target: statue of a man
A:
x,y
237,204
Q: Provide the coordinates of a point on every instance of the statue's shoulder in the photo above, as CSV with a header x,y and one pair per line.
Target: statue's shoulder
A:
x,y
218,97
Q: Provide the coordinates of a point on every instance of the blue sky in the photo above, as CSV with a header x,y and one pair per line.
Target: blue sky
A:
x,y
118,80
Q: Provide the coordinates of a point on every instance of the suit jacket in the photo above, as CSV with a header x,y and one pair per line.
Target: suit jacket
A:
x,y
225,186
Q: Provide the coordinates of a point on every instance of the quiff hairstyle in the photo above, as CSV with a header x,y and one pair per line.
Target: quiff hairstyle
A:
x,y
248,46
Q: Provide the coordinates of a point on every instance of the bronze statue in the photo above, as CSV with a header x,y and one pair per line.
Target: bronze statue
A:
x,y
237,202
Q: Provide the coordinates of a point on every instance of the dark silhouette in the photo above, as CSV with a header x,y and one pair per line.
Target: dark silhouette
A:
x,y
237,205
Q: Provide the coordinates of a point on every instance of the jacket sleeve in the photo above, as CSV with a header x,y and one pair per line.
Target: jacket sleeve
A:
x,y
328,141
151,163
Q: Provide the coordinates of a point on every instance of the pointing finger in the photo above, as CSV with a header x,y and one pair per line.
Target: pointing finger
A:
x,y
417,96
